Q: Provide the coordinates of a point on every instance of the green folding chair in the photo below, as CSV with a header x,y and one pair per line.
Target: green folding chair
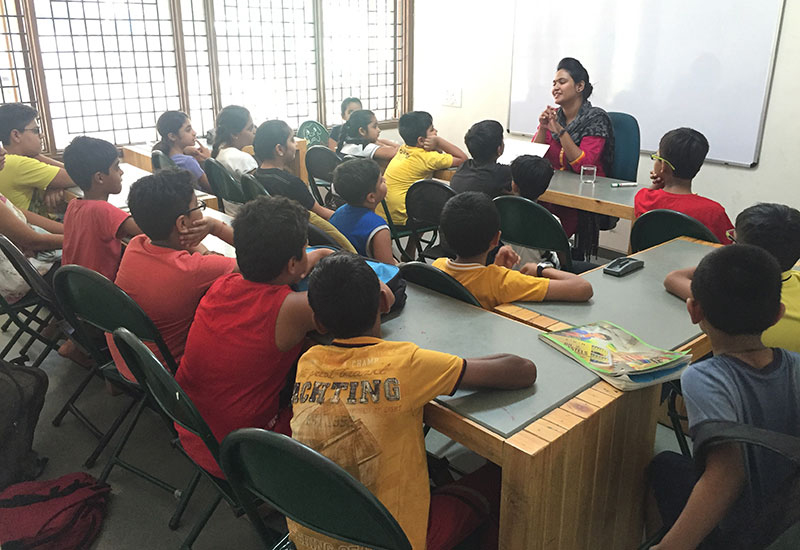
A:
x,y
161,161
425,200
251,188
175,405
273,466
313,132
223,184
437,280
526,223
659,226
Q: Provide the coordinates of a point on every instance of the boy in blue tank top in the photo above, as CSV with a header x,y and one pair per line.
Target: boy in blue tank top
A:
x,y
360,183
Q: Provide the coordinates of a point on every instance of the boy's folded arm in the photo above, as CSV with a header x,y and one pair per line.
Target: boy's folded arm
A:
x,y
386,152
459,156
128,228
712,496
294,321
503,371
679,282
61,180
567,287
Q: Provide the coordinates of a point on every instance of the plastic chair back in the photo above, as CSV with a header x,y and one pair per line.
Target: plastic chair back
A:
x,y
251,188
28,273
222,183
626,146
437,280
425,200
163,388
320,163
659,226
272,466
526,223
318,237
86,296
161,161
313,132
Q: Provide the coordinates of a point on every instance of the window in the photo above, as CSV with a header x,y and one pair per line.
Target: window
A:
x,y
109,68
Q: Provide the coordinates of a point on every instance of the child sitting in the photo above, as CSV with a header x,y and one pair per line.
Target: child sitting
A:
x,y
470,224
776,229
531,177
736,297
359,138
249,327
26,169
482,172
424,153
360,183
349,106
163,270
179,142
93,228
389,460
235,130
680,155
275,148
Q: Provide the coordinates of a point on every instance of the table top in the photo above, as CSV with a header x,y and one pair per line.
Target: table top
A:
x,y
566,189
638,301
438,322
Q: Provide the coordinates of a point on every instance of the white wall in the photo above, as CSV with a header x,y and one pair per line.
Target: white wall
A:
x,y
466,46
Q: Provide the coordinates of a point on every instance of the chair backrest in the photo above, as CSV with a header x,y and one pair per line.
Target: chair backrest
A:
x,y
251,188
161,161
313,132
86,296
222,182
163,388
272,466
28,273
526,223
627,146
318,237
425,200
437,280
659,226
321,161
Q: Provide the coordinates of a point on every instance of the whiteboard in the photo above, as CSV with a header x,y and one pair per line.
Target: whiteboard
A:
x,y
703,64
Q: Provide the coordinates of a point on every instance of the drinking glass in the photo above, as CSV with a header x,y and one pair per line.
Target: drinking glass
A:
x,y
588,174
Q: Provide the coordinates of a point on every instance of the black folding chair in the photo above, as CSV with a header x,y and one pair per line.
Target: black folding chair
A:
x,y
425,200
226,187
437,280
252,188
161,161
320,164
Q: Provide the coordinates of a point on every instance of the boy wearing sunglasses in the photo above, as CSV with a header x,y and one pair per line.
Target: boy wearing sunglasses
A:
x,y
680,155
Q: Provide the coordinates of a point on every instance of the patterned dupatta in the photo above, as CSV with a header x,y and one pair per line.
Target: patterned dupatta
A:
x,y
591,121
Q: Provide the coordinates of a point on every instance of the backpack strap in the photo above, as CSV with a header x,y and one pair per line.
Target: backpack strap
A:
x,y
710,434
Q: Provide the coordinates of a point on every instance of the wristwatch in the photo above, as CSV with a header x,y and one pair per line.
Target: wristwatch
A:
x,y
541,266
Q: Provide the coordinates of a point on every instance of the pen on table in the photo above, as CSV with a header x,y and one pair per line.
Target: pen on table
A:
x,y
624,184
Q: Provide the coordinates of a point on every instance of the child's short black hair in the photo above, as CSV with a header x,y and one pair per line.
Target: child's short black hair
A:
x,y
86,156
157,200
532,174
686,149
268,135
414,125
344,293
267,233
483,139
355,179
739,289
14,116
469,222
347,101
773,227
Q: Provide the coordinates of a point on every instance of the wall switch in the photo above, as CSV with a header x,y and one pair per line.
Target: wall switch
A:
x,y
451,97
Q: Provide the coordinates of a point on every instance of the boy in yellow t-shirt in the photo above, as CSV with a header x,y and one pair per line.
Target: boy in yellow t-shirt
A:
x,y
27,169
470,224
424,153
359,402
776,229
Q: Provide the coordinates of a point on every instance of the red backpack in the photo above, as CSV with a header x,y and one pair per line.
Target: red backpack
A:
x,y
64,514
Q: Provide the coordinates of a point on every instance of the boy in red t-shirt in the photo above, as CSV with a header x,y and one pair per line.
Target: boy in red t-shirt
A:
x,y
680,155
165,273
249,328
93,228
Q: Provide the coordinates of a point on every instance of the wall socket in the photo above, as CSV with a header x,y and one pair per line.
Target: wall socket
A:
x,y
451,97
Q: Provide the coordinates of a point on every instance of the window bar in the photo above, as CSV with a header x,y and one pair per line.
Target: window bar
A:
x,y
213,58
407,85
319,42
39,89
180,54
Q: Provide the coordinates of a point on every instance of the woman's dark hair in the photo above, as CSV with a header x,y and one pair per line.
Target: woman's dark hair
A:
x,y
350,129
168,123
268,135
578,73
347,101
230,120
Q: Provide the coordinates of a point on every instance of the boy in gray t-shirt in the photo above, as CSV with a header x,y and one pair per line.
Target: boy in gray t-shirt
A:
x,y
736,296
